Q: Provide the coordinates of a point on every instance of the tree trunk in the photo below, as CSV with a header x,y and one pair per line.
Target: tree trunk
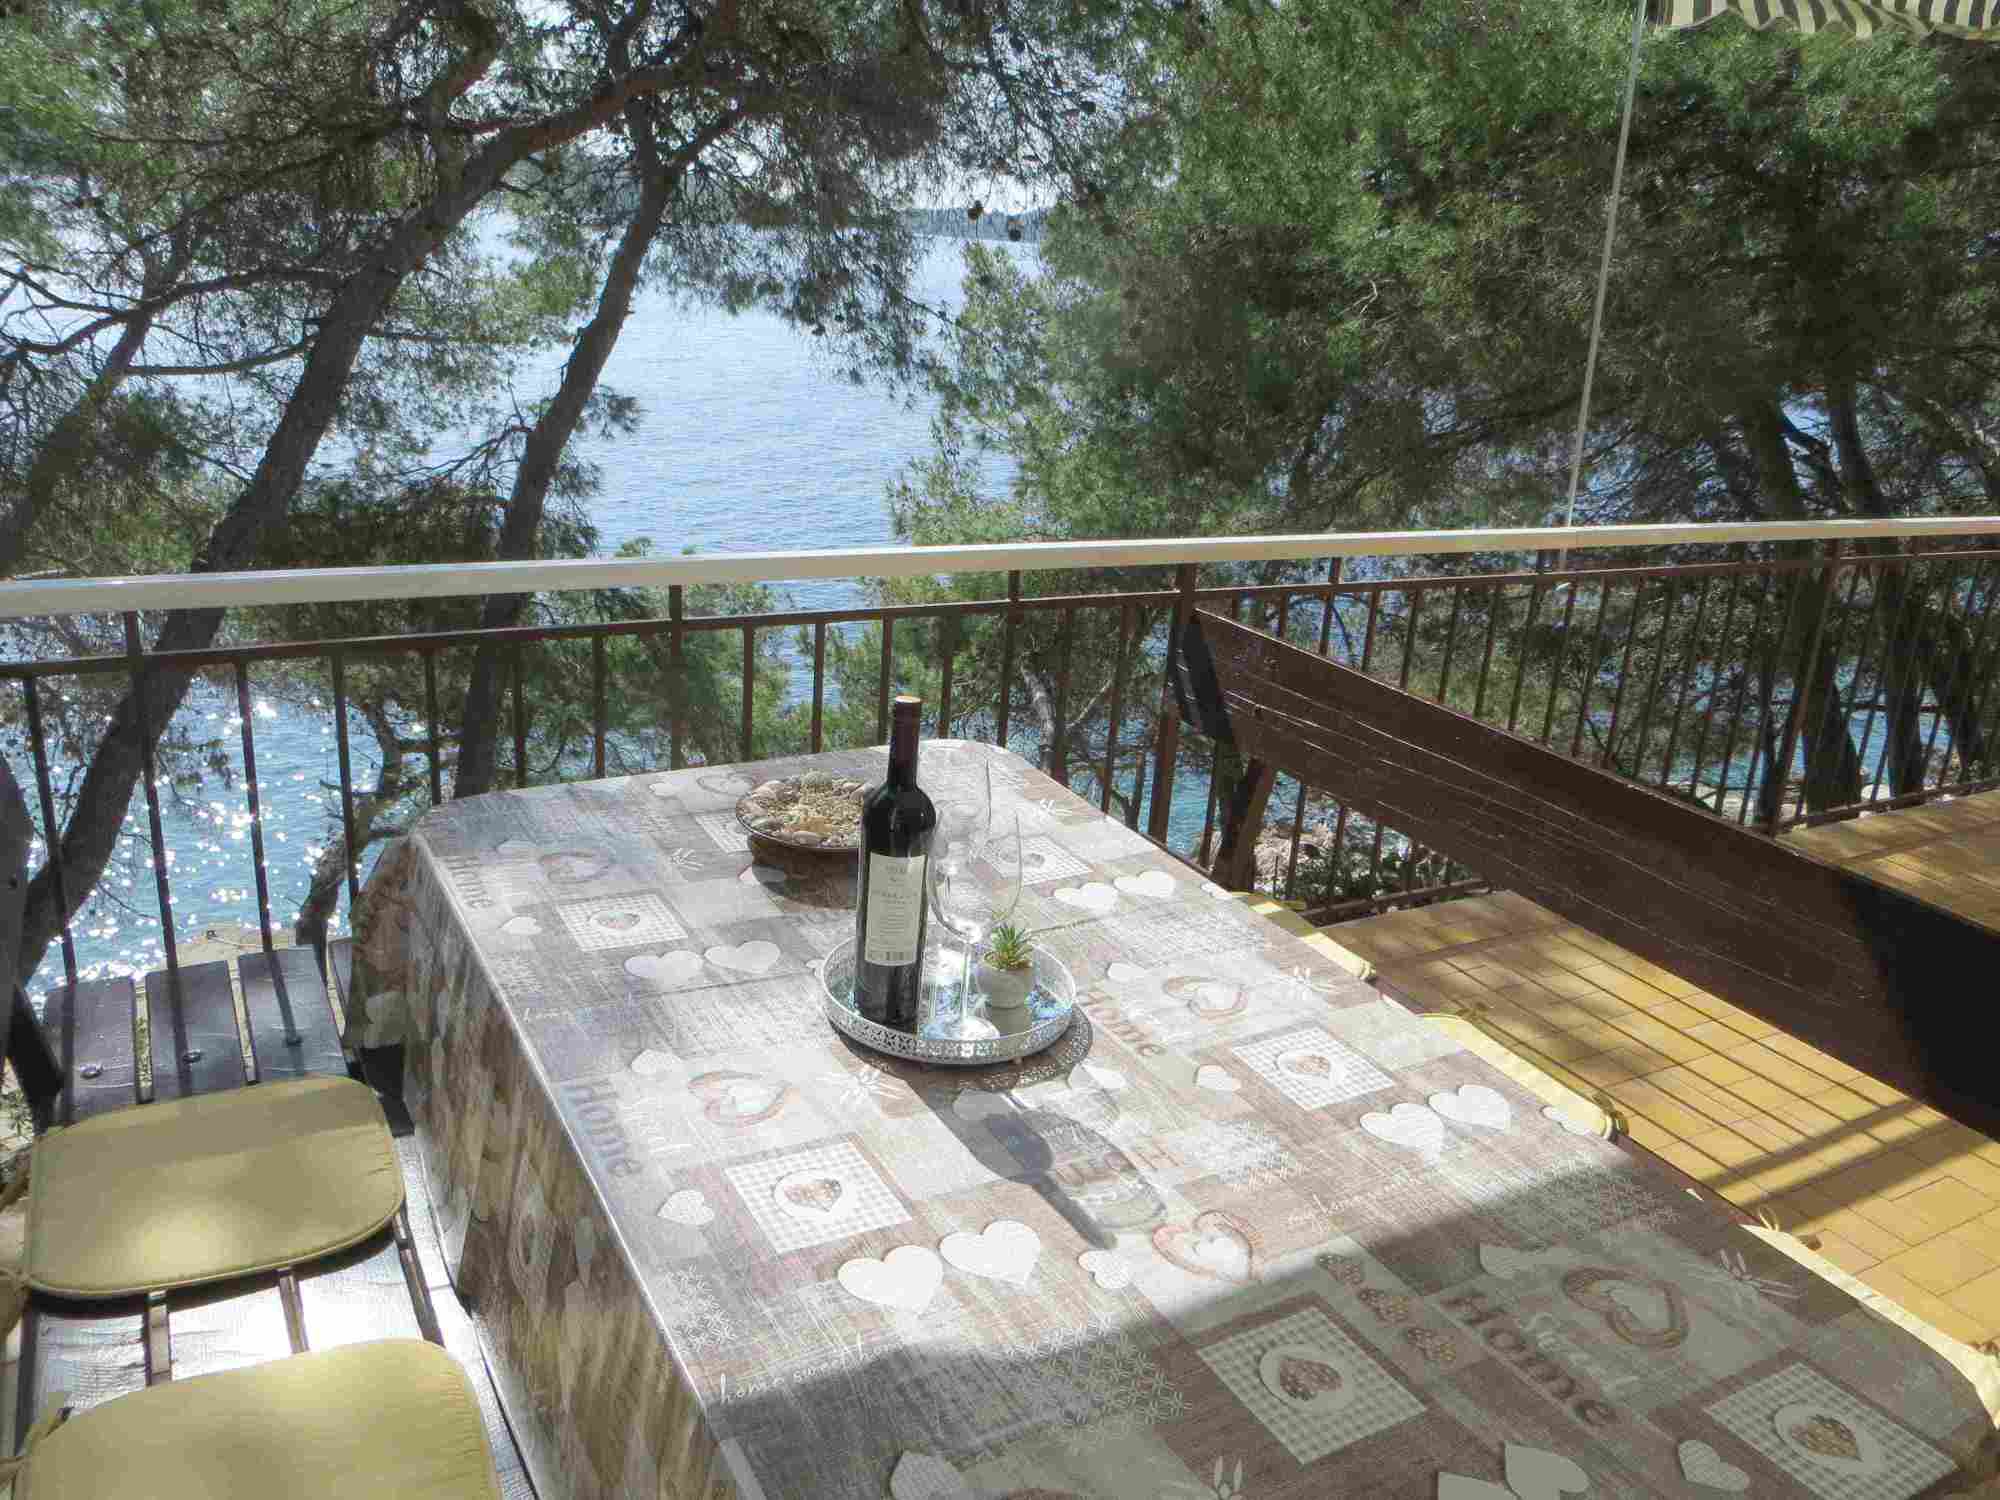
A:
x,y
1833,767
479,731
1235,867
93,829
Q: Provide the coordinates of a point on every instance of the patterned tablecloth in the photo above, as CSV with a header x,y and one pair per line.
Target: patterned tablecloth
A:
x,y
1250,1232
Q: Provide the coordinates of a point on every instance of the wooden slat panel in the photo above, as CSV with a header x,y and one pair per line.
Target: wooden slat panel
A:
x,y
90,1030
1883,981
317,1050
196,1049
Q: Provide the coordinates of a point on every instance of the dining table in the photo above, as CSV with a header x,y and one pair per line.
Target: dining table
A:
x,y
1250,1230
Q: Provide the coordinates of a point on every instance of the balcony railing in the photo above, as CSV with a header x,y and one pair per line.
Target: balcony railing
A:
x,y
1776,674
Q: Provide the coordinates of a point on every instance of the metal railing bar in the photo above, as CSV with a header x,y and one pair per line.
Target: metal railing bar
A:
x,y
1121,664
948,651
1687,680
51,834
888,672
1562,662
1450,644
1494,609
1937,694
149,768
1839,651
1984,696
1624,673
1736,715
600,715
520,696
455,580
819,687
677,673
1788,743
749,703
1670,604
224,656
432,754
1591,666
250,791
1010,624
1891,713
337,667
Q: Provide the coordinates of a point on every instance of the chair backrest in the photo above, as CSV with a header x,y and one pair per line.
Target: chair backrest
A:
x,y
1889,984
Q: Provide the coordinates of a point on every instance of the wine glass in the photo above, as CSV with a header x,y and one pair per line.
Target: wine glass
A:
x,y
975,884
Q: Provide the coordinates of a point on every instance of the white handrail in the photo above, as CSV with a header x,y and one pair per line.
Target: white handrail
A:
x,y
70,596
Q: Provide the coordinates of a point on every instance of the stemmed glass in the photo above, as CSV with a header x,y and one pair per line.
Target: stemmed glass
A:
x,y
975,884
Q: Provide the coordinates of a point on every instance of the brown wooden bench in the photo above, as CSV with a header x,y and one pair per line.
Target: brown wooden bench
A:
x,y
192,1040
1888,983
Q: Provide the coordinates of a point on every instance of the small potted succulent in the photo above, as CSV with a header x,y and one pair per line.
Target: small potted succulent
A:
x,y
1007,972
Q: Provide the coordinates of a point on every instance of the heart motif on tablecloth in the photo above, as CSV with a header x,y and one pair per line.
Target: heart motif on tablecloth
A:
x,y
1409,1125
1701,1464
1006,1250
817,1194
1316,1065
813,1194
1535,1474
1474,1104
1303,1376
1641,1310
651,1064
1120,972
673,968
1828,1438
905,1279
688,1206
1156,885
1217,1245
754,957
738,1099
725,783
1210,999
521,927
1096,897
573,866
1106,1269
1216,1079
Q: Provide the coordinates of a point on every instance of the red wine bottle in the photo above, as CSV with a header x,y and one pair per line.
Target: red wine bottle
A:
x,y
891,905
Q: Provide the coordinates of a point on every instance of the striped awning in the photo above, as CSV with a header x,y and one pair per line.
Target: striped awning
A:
x,y
1974,20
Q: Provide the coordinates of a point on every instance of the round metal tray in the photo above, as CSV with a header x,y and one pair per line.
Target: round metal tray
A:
x,y
981,1035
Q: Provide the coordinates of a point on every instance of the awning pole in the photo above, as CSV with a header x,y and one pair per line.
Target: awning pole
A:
x,y
1604,271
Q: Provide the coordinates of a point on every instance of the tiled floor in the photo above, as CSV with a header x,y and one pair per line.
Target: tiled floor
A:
x,y
1893,1191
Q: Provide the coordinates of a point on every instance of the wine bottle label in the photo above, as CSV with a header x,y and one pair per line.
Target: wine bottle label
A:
x,y
895,908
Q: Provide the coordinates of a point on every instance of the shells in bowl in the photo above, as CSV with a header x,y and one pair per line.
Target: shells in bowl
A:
x,y
813,811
